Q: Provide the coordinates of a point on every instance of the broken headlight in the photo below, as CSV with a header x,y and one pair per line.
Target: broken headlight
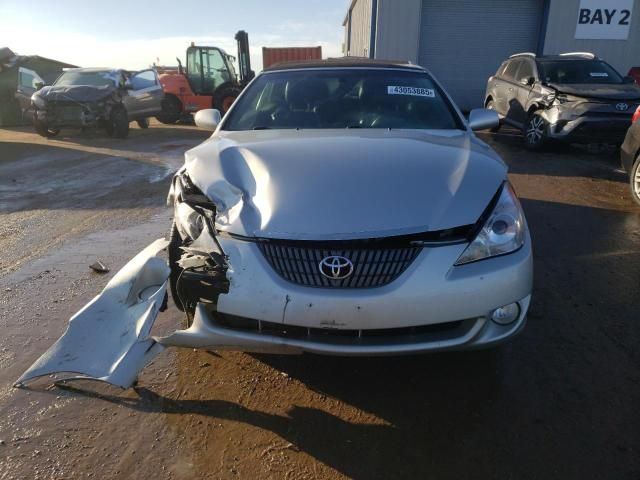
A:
x,y
188,222
502,233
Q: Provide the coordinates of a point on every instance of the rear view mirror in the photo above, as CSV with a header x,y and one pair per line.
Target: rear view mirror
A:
x,y
528,81
482,119
209,118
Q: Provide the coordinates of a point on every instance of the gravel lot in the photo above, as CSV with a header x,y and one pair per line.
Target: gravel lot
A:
x,y
560,401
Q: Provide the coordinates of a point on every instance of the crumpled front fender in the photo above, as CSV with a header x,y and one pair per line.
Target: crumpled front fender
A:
x,y
109,339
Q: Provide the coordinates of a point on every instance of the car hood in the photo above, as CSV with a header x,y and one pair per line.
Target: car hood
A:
x,y
345,184
604,92
75,93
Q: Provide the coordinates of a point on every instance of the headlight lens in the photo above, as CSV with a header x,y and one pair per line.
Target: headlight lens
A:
x,y
37,101
189,222
503,232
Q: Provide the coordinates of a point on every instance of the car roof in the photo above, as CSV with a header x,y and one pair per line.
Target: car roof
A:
x,y
564,58
93,69
344,62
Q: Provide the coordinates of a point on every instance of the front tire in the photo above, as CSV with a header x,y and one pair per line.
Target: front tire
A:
x,y
225,97
118,123
535,132
634,180
171,110
43,129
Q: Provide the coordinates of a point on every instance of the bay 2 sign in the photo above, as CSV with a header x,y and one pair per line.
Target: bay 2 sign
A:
x,y
604,19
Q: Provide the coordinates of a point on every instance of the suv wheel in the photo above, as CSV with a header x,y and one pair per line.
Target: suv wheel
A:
x,y
535,132
42,129
118,123
143,122
634,180
492,106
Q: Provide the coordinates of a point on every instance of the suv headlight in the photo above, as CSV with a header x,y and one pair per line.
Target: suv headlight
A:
x,y
503,232
38,101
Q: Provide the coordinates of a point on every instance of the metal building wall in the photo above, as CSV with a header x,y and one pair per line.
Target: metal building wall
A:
x,y
398,30
360,28
561,27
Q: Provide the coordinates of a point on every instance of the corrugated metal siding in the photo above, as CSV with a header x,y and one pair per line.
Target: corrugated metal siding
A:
x,y
561,29
360,28
463,42
271,56
398,32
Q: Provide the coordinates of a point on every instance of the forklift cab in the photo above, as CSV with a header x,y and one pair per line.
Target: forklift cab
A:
x,y
208,68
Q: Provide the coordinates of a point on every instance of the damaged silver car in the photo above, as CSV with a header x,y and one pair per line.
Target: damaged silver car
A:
x,y
341,207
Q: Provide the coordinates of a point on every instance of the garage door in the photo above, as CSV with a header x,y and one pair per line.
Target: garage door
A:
x,y
463,42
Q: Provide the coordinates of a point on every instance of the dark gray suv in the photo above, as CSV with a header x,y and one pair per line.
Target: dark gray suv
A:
x,y
573,97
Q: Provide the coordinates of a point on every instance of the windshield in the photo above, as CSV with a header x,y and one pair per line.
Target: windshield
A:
x,y
96,79
343,98
578,71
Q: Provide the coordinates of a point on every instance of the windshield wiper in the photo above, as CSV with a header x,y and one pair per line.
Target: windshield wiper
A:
x,y
354,126
261,127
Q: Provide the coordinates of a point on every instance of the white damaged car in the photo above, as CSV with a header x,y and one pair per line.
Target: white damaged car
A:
x,y
341,207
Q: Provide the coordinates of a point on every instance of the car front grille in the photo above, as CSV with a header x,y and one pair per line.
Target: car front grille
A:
x,y
373,266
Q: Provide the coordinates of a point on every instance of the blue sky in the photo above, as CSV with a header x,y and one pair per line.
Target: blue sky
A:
x,y
134,34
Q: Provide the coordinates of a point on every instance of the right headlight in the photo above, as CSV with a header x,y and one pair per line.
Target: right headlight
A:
x,y
502,233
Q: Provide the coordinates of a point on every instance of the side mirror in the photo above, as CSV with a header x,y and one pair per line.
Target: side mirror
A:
x,y
209,118
628,79
482,119
528,81
38,85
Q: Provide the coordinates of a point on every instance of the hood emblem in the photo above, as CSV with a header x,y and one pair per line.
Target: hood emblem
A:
x,y
623,107
336,267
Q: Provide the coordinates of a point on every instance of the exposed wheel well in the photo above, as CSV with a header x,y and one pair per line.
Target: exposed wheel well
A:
x,y
489,99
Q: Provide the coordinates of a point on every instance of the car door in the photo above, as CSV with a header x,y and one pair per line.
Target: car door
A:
x,y
28,81
146,94
509,92
501,85
525,77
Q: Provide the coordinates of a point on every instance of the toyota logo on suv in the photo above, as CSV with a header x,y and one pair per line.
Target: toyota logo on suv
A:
x,y
623,107
336,267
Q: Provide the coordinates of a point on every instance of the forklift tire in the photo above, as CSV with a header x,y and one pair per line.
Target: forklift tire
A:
x,y
143,122
225,97
43,130
171,110
118,124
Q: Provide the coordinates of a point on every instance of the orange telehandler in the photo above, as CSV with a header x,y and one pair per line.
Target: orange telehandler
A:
x,y
209,80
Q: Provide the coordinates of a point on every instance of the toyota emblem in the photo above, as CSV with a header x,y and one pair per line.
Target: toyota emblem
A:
x,y
623,107
336,267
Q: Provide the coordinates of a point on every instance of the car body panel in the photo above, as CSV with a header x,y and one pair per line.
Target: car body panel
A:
x,y
298,184
630,149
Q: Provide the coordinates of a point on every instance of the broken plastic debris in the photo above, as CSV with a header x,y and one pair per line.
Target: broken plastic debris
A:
x,y
99,267
109,339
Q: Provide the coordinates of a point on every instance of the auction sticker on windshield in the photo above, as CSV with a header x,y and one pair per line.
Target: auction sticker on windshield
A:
x,y
413,91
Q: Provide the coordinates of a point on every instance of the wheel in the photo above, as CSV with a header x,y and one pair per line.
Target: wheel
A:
x,y
535,132
492,106
143,122
171,110
225,97
118,123
43,130
634,180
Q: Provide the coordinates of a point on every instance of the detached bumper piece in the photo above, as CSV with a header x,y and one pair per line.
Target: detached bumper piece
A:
x,y
109,339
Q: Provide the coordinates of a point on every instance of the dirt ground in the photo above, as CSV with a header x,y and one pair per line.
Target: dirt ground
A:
x,y
560,401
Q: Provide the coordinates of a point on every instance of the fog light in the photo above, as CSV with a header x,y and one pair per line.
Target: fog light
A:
x,y
507,314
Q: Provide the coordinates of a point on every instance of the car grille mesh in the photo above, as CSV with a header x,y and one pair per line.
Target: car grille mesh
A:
x,y
372,267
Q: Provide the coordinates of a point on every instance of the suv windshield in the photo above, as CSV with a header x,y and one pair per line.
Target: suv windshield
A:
x,y
578,71
343,98
96,79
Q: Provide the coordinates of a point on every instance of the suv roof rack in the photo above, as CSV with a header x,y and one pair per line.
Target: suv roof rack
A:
x,y
523,54
588,55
